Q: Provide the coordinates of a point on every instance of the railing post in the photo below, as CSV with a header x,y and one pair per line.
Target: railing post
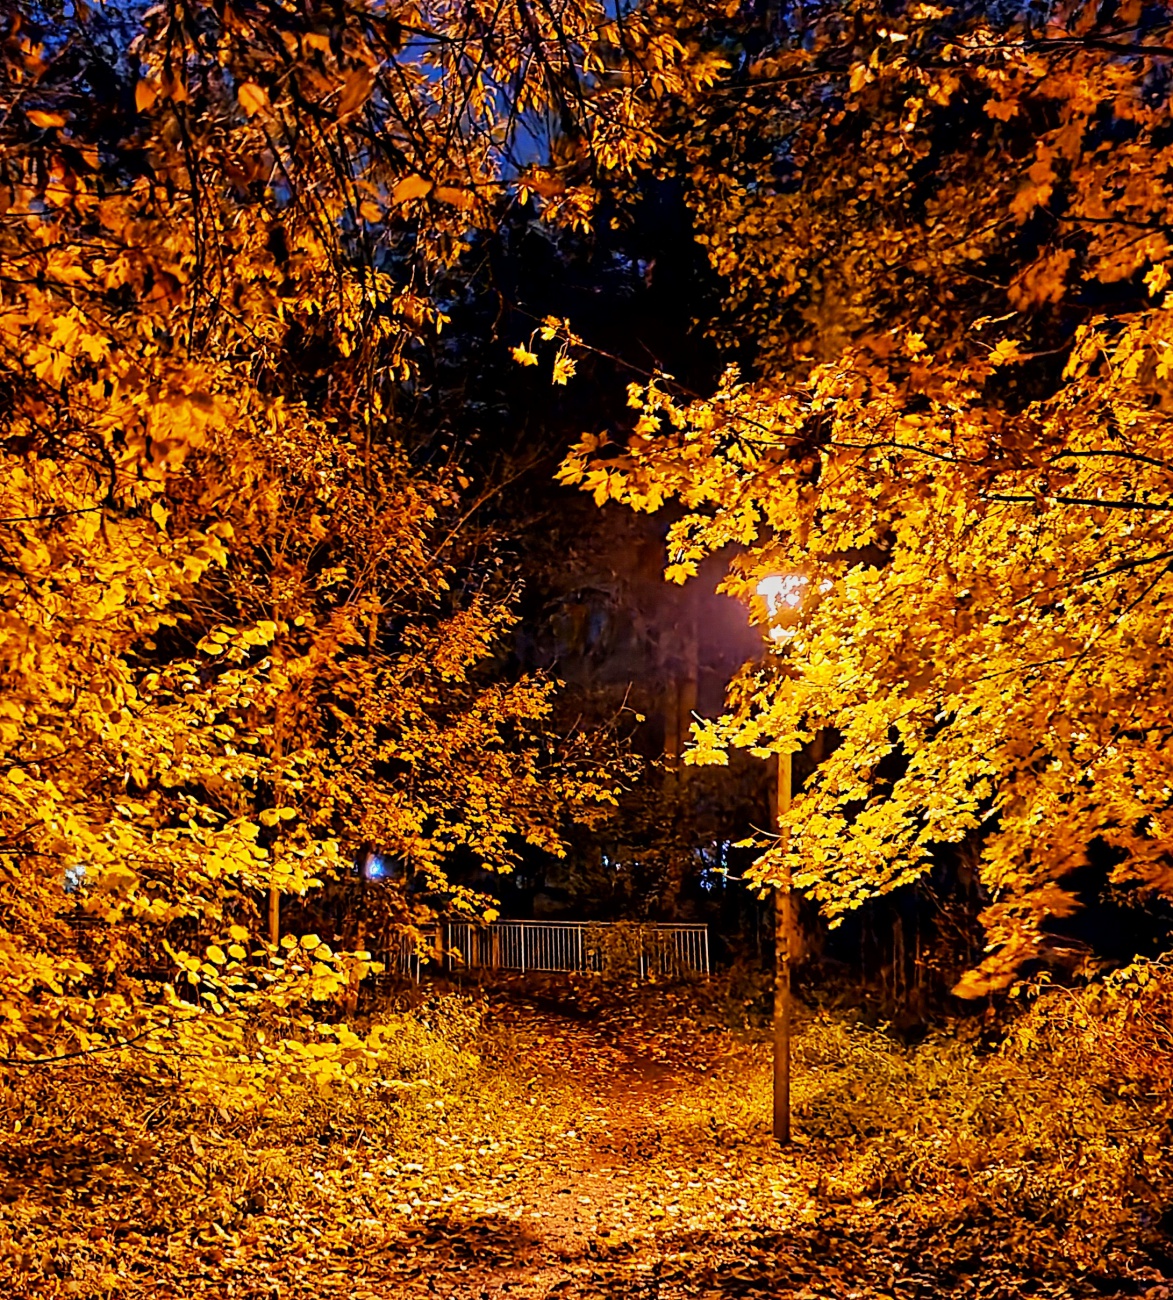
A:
x,y
523,928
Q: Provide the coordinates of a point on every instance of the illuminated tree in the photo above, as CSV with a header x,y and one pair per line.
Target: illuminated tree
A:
x,y
241,634
945,243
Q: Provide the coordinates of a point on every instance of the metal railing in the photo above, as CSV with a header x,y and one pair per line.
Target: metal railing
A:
x,y
610,947
407,955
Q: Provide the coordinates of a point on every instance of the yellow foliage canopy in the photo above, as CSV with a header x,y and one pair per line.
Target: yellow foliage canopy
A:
x,y
975,485
239,636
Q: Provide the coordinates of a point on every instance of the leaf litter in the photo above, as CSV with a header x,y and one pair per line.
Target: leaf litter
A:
x,y
606,1146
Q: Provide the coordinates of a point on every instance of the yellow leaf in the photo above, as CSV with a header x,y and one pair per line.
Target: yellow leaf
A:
x,y
1002,109
410,187
145,94
1157,279
456,198
356,90
1007,351
252,97
38,118
1029,197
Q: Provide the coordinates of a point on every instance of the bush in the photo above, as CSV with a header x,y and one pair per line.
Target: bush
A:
x,y
99,1147
1061,1123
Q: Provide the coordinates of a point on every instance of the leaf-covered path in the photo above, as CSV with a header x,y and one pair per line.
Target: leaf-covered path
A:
x,y
600,1149
627,1174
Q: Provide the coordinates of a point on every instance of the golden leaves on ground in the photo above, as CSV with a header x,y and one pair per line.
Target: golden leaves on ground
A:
x,y
614,1142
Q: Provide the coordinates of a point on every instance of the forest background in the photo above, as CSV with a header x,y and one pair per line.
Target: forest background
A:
x,y
869,296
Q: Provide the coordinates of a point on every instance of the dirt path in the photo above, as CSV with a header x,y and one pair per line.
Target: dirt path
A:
x,y
603,1198
596,1151
634,1193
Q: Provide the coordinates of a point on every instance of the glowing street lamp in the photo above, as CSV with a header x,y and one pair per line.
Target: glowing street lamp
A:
x,y
783,593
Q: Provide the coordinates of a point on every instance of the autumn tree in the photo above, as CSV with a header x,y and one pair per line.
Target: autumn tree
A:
x,y
944,240
243,632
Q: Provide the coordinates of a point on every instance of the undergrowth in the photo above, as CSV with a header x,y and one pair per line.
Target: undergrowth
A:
x,y
1055,1128
97,1156
1046,1134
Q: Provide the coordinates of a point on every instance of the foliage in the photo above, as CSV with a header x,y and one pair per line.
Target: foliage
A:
x,y
583,1133
97,1180
627,949
1059,1126
971,498
248,630
1040,1137
244,633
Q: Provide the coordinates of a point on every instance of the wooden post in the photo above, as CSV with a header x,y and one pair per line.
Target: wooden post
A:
x,y
783,902
274,891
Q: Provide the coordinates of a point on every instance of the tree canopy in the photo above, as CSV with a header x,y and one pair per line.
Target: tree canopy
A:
x,y
287,584
246,631
943,241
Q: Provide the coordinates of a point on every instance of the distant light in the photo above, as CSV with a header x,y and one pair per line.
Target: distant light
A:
x,y
782,592
375,868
